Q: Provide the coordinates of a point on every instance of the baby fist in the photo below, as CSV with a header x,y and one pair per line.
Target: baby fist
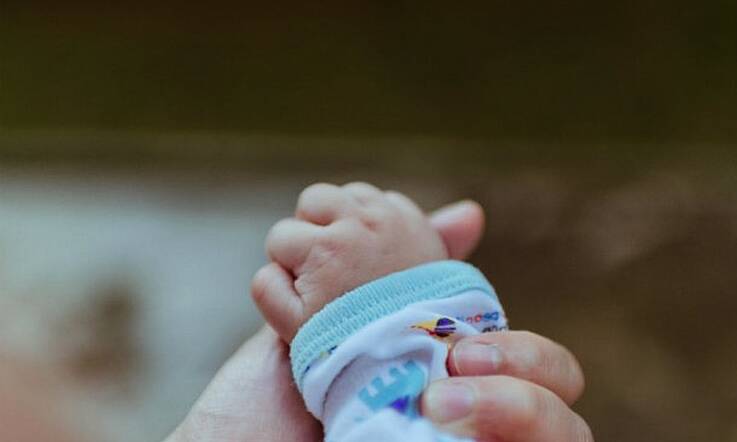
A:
x,y
340,238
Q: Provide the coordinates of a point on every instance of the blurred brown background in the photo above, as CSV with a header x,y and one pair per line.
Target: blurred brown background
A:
x,y
146,148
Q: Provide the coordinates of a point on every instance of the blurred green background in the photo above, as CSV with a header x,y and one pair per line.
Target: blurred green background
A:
x,y
600,137
575,71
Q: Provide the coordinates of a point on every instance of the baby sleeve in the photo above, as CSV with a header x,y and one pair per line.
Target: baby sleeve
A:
x,y
362,362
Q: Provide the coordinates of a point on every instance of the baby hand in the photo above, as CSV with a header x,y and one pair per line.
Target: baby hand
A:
x,y
341,238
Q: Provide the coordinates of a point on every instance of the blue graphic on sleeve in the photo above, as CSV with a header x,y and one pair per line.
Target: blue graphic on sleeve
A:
x,y
401,394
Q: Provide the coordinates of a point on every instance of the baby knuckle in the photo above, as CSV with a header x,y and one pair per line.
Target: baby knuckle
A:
x,y
402,200
274,229
362,186
279,226
278,234
374,218
329,245
315,191
364,193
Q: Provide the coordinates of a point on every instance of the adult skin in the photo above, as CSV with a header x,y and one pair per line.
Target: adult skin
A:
x,y
514,386
30,404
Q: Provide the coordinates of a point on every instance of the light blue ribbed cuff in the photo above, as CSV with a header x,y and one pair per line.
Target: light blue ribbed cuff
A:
x,y
356,309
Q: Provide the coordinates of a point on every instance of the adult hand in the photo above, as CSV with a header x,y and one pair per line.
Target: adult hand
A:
x,y
514,386
252,398
506,386
509,386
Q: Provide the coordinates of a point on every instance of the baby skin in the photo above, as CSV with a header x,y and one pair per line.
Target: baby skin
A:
x,y
344,238
340,238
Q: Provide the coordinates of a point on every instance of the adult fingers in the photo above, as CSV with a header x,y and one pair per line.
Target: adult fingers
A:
x,y
461,226
502,408
523,355
252,398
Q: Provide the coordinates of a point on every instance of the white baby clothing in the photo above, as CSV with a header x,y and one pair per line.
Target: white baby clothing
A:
x,y
362,362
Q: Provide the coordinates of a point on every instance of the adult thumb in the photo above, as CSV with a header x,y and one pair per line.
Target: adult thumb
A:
x,y
461,226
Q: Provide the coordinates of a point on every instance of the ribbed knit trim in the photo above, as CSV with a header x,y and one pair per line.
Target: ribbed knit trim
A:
x,y
356,309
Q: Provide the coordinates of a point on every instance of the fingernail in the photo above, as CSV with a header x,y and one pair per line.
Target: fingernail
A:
x,y
473,358
448,401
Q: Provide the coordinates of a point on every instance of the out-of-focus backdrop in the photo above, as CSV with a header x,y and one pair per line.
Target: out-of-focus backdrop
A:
x,y
146,148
